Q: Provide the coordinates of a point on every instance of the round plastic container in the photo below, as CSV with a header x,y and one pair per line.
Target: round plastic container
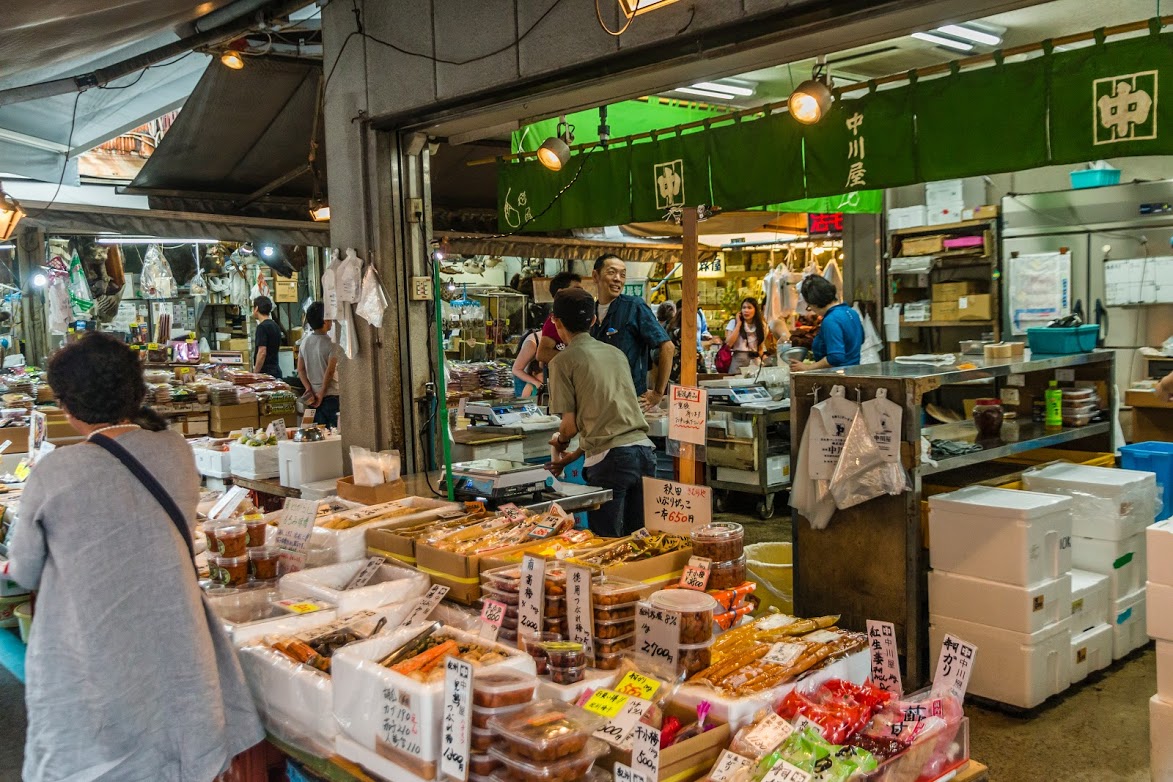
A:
x,y
256,527
232,540
229,571
572,675
533,645
209,530
609,661
503,688
24,618
696,610
695,657
264,561
720,541
727,575
565,654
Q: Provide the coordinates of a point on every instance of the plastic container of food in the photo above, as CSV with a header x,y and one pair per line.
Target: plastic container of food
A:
x,y
1078,419
720,541
533,644
567,769
615,629
482,739
596,774
556,626
264,561
491,592
232,540
481,715
209,530
255,529
570,675
555,607
545,731
609,661
482,765
565,654
229,571
695,657
615,591
696,610
503,579
615,612
509,622
609,645
1078,394
502,688
507,635
734,596
728,574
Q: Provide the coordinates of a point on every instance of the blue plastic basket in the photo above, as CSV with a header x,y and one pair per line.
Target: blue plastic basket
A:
x,y
1094,177
1063,341
1157,458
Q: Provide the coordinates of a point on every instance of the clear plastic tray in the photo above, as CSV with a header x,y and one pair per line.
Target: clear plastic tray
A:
x,y
567,769
612,645
613,613
490,592
616,629
482,739
481,765
481,715
544,731
615,591
596,774
494,689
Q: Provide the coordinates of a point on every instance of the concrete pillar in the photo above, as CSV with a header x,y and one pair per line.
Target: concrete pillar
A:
x,y
30,256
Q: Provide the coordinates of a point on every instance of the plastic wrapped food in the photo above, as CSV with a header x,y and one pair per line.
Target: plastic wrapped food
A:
x,y
483,764
264,561
256,527
614,613
566,769
610,661
482,739
612,645
482,714
727,574
720,541
567,675
545,731
839,707
502,688
727,619
696,611
695,657
614,591
229,571
232,540
808,751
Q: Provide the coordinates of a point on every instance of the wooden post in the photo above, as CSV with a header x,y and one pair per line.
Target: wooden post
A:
x,y
686,464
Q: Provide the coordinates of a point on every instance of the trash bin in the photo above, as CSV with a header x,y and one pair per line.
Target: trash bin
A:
x,y
771,565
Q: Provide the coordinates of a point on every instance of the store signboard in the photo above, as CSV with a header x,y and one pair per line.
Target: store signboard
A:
x,y
678,508
824,222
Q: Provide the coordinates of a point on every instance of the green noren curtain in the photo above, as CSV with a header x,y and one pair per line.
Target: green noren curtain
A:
x,y
754,161
671,171
599,192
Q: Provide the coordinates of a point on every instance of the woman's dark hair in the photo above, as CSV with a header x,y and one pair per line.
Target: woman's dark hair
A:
x,y
315,315
818,291
666,312
563,280
98,380
758,322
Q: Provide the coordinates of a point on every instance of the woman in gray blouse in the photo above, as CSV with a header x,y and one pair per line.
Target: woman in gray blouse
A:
x,y
129,674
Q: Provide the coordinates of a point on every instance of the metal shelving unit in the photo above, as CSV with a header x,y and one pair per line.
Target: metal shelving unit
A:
x,y
751,456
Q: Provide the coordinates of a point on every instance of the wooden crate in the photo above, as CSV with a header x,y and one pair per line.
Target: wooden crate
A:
x,y
738,453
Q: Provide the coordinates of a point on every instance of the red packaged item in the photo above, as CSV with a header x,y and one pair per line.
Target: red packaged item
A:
x,y
840,708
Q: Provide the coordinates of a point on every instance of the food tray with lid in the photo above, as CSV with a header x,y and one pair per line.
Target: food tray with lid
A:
x,y
696,611
728,574
482,714
544,731
611,645
567,769
719,541
615,629
615,591
492,689
615,612
389,584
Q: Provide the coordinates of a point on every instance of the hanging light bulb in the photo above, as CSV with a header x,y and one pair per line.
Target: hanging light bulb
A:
x,y
232,59
10,214
810,101
319,211
555,151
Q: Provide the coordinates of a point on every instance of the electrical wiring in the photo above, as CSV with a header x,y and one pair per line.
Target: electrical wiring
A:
x,y
65,161
144,70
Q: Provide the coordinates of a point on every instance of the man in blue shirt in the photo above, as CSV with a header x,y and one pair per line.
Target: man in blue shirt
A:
x,y
840,332
629,324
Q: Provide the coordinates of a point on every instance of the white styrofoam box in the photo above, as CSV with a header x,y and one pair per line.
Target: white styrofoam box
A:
x,y
1160,739
362,687
301,463
510,451
390,584
1159,551
1091,599
907,217
1131,625
331,546
593,679
249,614
297,701
372,761
212,463
1110,504
1091,651
217,484
1016,668
1122,561
254,463
1165,669
320,490
1017,608
1159,610
1016,537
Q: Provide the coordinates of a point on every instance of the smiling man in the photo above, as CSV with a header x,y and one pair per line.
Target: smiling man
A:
x,y
629,324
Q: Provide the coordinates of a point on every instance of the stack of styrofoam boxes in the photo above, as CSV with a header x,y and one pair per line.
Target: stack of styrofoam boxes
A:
x,y
1000,580
1160,626
1110,512
946,201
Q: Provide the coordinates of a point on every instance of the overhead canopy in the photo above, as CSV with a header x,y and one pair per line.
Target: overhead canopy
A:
x,y
241,132
565,248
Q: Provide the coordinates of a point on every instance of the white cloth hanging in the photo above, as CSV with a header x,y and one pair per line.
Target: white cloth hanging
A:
x,y
832,275
329,290
348,278
772,285
869,351
822,442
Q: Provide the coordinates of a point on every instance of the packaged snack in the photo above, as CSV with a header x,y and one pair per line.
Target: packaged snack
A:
x,y
544,731
810,752
695,657
727,619
839,707
727,574
502,688
614,591
566,769
720,541
696,611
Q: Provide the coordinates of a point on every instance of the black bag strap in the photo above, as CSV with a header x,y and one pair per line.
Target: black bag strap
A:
x,y
153,486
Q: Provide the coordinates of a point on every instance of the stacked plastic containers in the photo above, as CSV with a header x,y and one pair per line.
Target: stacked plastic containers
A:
x,y
1110,510
237,551
494,694
695,611
723,544
1001,580
614,602
1160,626
545,741
503,584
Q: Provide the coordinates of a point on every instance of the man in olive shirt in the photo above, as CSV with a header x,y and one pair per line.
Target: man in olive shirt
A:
x,y
591,388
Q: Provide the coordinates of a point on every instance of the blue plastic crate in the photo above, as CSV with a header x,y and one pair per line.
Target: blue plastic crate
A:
x,y
1094,177
1157,458
1063,341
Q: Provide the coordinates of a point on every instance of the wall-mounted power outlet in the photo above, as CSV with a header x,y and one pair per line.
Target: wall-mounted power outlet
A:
x,y
421,288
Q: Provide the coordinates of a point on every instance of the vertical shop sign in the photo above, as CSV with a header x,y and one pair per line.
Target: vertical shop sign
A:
x,y
756,162
687,414
293,532
669,172
678,508
862,144
885,663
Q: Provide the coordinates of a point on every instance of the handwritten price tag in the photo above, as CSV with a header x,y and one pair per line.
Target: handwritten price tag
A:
x,y
532,597
954,666
687,413
728,764
617,732
457,723
885,662
364,576
696,573
802,723
638,685
645,751
425,605
492,615
657,633
768,734
605,703
293,532
624,773
784,772
677,508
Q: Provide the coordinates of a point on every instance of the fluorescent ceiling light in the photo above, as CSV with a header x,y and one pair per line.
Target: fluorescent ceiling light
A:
x,y
151,240
7,246
941,40
705,93
967,33
735,89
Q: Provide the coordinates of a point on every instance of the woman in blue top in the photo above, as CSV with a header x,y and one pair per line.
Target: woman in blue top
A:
x,y
840,332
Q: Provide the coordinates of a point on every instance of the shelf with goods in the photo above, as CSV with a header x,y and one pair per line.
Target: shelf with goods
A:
x,y
924,269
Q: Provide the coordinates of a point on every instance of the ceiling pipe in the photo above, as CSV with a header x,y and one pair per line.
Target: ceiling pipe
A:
x,y
103,76
221,16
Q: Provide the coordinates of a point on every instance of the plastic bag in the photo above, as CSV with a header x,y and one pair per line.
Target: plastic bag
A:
x,y
329,289
348,278
197,285
157,281
343,332
884,418
869,352
366,466
372,301
858,475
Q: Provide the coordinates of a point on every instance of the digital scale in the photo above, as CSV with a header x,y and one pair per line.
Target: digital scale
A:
x,y
746,396
498,480
501,413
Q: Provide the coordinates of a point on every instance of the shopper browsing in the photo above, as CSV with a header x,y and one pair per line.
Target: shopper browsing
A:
x,y
130,676
267,339
840,334
317,366
550,343
628,323
746,336
591,388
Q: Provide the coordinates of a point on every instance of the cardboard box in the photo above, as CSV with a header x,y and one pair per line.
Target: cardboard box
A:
x,y
285,292
985,212
656,573
461,573
370,495
945,311
922,245
952,291
685,760
907,217
235,344
289,418
975,307
227,418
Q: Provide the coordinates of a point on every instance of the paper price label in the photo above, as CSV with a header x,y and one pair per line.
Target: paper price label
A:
x,y
23,470
657,633
885,662
425,605
364,575
153,346
299,606
542,531
645,751
532,594
579,614
618,730
457,722
768,734
622,773
784,653
293,532
954,666
606,703
512,512
493,612
784,772
687,412
727,764
638,685
803,723
400,728
696,573
277,429
228,503
822,637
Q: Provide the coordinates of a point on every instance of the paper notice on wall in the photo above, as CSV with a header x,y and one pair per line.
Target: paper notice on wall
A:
x,y
687,413
1039,289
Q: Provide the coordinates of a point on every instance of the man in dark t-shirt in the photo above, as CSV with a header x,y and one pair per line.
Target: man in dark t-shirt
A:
x,y
267,340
